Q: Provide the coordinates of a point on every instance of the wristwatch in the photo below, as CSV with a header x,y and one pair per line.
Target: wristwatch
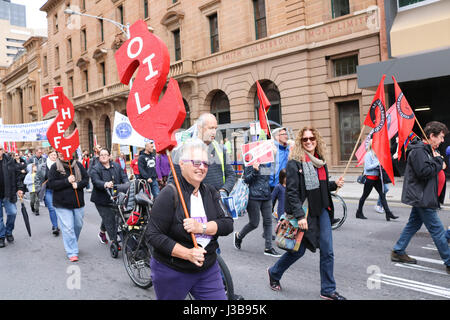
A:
x,y
204,228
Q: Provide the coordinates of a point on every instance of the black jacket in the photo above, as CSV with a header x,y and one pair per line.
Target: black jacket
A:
x,y
10,180
258,182
296,194
100,175
165,227
420,185
63,193
147,166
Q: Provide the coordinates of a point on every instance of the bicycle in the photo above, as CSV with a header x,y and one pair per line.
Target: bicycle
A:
x,y
340,211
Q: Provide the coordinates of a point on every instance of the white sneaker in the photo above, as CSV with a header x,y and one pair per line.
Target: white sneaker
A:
x,y
379,209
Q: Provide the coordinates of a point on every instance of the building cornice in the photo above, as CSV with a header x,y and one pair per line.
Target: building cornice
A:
x,y
49,5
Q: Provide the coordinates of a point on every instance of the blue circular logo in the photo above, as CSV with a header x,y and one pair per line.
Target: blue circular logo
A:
x,y
123,130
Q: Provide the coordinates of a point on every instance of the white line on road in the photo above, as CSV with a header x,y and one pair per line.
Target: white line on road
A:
x,y
428,248
421,268
428,260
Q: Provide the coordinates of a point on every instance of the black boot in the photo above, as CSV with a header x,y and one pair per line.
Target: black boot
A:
x,y
359,215
390,216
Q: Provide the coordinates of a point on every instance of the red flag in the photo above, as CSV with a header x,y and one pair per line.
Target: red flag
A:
x,y
405,116
264,106
376,119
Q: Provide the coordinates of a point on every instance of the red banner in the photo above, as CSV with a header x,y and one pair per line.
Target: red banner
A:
x,y
264,105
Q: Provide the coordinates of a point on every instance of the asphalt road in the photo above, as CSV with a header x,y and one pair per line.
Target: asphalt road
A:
x,y
37,268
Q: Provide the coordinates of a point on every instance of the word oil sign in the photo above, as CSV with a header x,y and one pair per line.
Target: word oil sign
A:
x,y
55,132
152,118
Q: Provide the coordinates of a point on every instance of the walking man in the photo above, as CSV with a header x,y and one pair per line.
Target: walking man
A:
x,y
10,187
424,190
147,167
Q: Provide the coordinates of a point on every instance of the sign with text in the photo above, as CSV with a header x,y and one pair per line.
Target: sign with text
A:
x,y
55,132
259,151
152,118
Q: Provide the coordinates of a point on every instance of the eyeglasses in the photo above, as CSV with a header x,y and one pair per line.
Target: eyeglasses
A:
x,y
312,139
197,163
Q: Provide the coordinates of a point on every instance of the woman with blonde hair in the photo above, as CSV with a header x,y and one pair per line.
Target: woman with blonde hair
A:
x,y
307,180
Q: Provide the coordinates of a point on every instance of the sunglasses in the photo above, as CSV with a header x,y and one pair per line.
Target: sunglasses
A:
x,y
197,163
312,139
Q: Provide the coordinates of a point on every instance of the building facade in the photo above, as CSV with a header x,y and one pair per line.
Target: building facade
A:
x,y
304,54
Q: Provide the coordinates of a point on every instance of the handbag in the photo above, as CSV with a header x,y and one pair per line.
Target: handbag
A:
x,y
240,195
361,179
288,234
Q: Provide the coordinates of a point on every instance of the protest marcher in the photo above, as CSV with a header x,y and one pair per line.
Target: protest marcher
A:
x,y
68,200
134,166
45,192
282,148
122,162
373,180
162,170
104,175
38,158
85,162
424,190
307,179
33,189
177,267
11,187
259,202
279,194
20,167
147,167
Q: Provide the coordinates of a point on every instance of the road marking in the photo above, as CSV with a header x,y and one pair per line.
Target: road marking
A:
x,y
428,260
414,285
421,268
428,248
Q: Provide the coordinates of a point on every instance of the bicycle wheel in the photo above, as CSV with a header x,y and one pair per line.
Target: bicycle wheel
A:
x,y
340,211
136,259
226,277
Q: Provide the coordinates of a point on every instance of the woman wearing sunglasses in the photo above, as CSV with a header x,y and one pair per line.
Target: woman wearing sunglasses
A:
x,y
307,179
178,268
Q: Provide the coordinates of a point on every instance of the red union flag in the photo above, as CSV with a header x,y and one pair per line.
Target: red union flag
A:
x,y
376,119
264,106
405,117
152,118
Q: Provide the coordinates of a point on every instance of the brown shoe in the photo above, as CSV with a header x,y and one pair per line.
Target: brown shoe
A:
x,y
403,258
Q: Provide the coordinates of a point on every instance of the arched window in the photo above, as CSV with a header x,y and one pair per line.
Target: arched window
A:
x,y
91,136
220,107
187,121
108,133
273,94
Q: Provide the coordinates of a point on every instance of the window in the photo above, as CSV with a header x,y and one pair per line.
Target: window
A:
x,y
339,8
83,4
69,49
120,15
83,40
345,66
145,9
259,9
55,22
90,136
70,84
44,62
102,73
56,57
177,44
410,4
220,108
86,80
100,27
214,33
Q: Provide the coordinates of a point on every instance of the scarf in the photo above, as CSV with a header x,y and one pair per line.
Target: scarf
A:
x,y
312,176
50,163
61,167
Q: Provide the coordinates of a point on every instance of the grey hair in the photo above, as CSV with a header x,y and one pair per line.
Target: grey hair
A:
x,y
189,146
203,118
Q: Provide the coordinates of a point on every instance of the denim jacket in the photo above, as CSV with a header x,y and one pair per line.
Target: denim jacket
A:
x,y
371,164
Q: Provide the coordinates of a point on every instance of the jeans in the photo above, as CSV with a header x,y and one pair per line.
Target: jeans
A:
x,y
71,222
430,218
155,187
386,189
327,282
254,208
11,212
48,200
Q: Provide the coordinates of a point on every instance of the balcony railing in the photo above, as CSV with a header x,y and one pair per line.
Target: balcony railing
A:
x,y
181,68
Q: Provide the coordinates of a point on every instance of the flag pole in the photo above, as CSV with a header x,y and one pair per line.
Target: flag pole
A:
x,y
183,203
353,153
420,127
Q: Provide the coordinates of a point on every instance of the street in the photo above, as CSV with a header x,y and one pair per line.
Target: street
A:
x,y
37,268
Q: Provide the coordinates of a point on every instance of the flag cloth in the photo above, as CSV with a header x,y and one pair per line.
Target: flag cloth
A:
x,y
376,119
264,106
405,116
392,131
